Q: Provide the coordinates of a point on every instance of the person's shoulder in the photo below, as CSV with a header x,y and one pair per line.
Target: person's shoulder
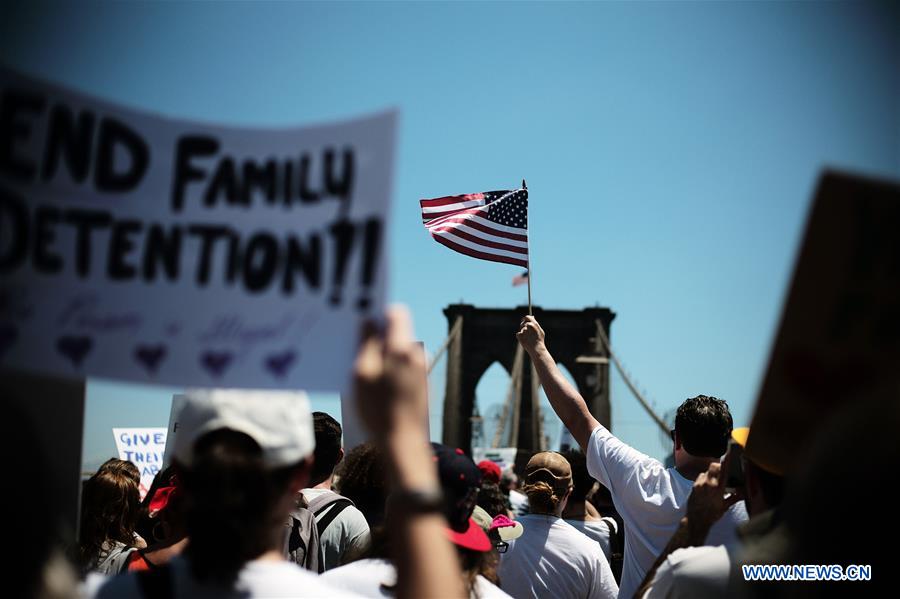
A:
x,y
603,445
97,586
489,590
699,571
363,565
353,514
579,540
310,493
363,576
271,578
689,561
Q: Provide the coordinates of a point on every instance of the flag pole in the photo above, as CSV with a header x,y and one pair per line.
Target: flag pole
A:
x,y
524,186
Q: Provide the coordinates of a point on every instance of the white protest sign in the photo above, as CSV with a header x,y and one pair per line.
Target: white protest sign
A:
x,y
177,403
139,247
505,457
144,448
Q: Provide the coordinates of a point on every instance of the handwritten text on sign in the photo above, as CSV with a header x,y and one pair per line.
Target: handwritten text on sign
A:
x,y
143,447
141,247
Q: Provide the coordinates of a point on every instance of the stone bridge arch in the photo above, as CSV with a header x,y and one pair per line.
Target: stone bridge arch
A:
x,y
487,335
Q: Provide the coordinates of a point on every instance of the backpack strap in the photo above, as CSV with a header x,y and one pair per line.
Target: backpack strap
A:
x,y
321,502
612,525
156,583
616,547
339,505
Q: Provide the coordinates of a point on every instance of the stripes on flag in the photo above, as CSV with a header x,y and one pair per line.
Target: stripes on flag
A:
x,y
490,226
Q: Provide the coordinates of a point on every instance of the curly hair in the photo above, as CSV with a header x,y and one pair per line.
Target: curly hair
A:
x,y
703,425
361,477
110,507
491,499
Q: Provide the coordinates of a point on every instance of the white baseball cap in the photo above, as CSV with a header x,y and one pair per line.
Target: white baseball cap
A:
x,y
279,421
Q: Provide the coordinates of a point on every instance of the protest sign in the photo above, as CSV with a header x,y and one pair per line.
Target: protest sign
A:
x,y
143,447
505,457
134,246
177,403
839,338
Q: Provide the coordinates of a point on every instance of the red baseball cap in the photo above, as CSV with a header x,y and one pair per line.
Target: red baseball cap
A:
x,y
460,481
490,470
473,537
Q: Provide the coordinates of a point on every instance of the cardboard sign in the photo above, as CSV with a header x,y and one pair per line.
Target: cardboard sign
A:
x,y
839,337
139,247
143,447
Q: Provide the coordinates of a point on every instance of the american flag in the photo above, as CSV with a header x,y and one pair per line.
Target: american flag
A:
x,y
520,280
491,226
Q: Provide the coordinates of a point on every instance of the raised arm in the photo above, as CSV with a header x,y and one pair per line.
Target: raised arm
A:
x,y
391,399
565,399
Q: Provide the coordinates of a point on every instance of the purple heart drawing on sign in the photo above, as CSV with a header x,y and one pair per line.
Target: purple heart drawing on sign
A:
x,y
215,362
8,336
74,348
150,356
279,364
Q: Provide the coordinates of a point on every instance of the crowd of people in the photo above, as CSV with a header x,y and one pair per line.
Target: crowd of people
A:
x,y
262,500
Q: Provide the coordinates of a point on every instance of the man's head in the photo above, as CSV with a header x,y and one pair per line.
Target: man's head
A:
x,y
702,427
328,453
242,456
583,483
548,482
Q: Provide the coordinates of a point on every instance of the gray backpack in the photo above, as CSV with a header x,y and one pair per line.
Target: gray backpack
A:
x,y
302,543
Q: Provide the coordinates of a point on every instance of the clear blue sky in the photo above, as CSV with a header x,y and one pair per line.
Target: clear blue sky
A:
x,y
670,150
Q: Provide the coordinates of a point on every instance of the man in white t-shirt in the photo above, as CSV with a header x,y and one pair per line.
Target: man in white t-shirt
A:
x,y
551,558
343,530
702,571
650,498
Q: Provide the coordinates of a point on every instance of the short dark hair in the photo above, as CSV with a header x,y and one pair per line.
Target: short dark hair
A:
x,y
328,447
704,424
582,481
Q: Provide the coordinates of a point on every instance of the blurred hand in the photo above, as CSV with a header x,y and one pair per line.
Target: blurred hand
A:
x,y
708,502
530,334
390,376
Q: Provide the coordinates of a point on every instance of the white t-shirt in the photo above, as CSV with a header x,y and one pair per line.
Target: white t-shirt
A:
x,y
693,572
651,500
260,578
597,530
518,502
348,532
552,559
369,577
